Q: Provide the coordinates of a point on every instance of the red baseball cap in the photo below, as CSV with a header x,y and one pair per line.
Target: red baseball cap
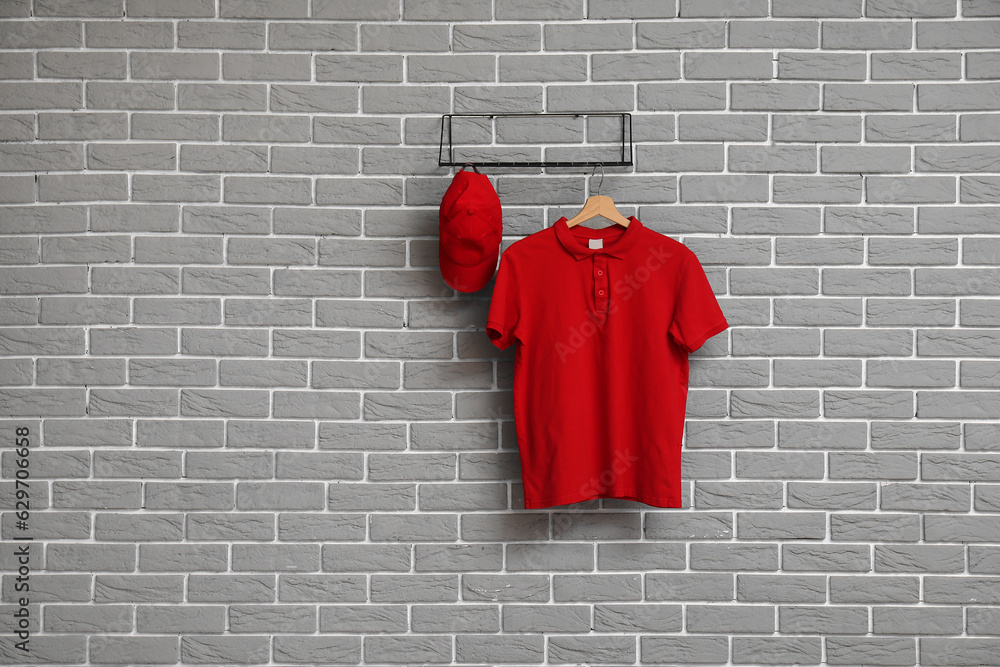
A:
x,y
471,226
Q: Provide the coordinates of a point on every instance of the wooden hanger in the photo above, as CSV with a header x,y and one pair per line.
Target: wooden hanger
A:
x,y
599,205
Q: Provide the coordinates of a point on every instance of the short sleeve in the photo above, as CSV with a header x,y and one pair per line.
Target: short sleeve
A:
x,y
697,315
505,307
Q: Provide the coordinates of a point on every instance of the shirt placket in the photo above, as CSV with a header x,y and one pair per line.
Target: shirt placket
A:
x,y
602,293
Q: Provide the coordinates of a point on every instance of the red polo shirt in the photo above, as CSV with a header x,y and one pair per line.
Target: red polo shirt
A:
x,y
604,320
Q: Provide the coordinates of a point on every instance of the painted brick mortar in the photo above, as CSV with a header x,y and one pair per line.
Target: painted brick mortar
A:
x,y
264,431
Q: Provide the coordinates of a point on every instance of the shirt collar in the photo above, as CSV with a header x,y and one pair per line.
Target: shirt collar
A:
x,y
617,249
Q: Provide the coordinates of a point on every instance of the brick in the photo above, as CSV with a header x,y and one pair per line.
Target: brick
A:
x,y
222,158
955,158
908,127
80,250
82,187
147,649
626,66
34,95
221,96
957,97
185,188
359,68
861,527
134,34
852,220
887,435
884,342
924,620
869,97
977,127
91,65
696,8
968,589
875,650
977,189
41,34
735,188
963,651
694,157
16,8
974,375
685,649
584,587
909,66
776,649
805,250
312,36
546,618
390,649
885,404
686,34
363,618
175,66
900,373
132,156
268,9
765,526
492,38
927,312
869,282
180,127
730,65
417,37
861,159
220,35
716,127
582,37
472,99
608,9
780,588
772,159
866,35
767,342
828,66
494,648
823,619
771,34
17,127
602,648
681,96
266,67
775,96
267,190
39,157
943,342
451,68
817,189
346,9
170,8
742,619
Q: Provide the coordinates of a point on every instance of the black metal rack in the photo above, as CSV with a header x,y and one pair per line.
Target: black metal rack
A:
x,y
624,161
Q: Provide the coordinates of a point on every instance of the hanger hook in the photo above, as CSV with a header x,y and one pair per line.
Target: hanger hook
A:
x,y
600,182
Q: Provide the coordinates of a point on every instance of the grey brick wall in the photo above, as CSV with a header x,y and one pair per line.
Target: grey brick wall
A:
x,y
264,431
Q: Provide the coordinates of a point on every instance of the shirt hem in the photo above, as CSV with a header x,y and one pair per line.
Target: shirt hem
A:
x,y
655,501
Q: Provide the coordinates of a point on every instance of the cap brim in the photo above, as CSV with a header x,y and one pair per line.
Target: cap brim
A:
x,y
468,278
